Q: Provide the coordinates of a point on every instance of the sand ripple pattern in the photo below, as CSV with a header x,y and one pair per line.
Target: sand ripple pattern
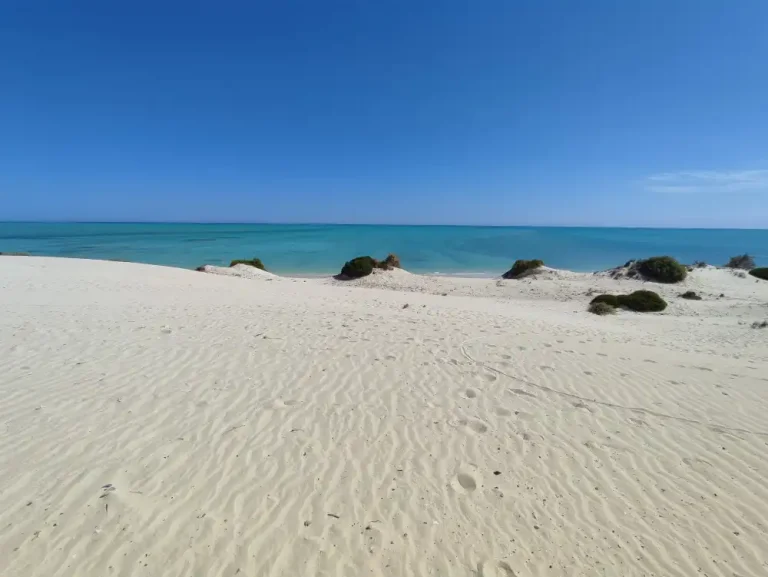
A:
x,y
162,422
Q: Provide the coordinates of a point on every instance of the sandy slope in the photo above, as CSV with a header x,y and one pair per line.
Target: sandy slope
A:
x,y
158,421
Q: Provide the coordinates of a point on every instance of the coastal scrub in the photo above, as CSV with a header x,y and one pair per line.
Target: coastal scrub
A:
x,y
254,262
522,268
641,301
664,269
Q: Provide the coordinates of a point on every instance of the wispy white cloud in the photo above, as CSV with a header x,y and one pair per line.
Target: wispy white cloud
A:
x,y
709,181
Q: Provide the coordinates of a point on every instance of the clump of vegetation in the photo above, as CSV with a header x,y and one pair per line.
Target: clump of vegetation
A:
x,y
664,269
639,301
254,262
522,268
358,267
742,261
691,296
643,302
364,265
760,325
761,273
601,308
610,300
392,261
699,264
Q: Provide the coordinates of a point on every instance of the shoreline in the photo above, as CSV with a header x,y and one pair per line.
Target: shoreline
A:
x,y
323,249
469,275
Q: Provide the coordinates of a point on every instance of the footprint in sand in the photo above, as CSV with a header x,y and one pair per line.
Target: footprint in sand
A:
x,y
476,426
490,377
466,481
470,394
503,412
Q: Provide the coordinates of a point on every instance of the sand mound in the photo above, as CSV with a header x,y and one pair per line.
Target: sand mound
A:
x,y
239,270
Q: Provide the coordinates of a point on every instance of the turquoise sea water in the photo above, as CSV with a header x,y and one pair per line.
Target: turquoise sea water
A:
x,y
322,249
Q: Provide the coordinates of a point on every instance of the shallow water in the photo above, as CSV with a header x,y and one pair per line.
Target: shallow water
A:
x,y
322,249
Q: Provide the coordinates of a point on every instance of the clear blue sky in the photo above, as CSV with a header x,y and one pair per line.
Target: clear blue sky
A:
x,y
636,112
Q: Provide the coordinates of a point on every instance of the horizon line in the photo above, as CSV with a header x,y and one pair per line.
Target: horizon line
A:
x,y
213,223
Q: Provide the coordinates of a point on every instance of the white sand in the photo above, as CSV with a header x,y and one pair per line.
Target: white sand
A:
x,y
164,422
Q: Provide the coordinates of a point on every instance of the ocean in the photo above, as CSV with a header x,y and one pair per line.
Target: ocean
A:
x,y
313,249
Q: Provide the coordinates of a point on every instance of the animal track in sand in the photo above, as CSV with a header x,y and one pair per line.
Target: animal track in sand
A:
x,y
491,569
604,403
282,404
466,481
522,392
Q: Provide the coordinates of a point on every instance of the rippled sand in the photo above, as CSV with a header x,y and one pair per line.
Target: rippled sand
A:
x,y
163,422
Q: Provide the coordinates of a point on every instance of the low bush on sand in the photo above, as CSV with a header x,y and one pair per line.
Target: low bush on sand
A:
x,y
254,262
392,261
363,266
522,268
358,267
601,309
742,261
761,273
610,300
663,269
639,301
691,296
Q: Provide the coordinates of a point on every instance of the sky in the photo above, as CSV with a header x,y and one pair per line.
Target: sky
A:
x,y
498,112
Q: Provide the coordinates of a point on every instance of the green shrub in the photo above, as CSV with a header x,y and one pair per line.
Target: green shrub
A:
x,y
522,267
638,301
742,261
690,295
255,262
643,302
601,308
358,267
760,273
610,300
662,269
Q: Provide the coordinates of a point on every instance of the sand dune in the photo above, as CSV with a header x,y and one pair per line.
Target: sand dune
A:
x,y
165,422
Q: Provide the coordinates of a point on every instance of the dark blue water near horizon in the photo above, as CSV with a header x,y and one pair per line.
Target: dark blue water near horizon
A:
x,y
322,249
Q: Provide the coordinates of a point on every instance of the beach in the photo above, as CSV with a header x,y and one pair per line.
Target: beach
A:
x,y
161,422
